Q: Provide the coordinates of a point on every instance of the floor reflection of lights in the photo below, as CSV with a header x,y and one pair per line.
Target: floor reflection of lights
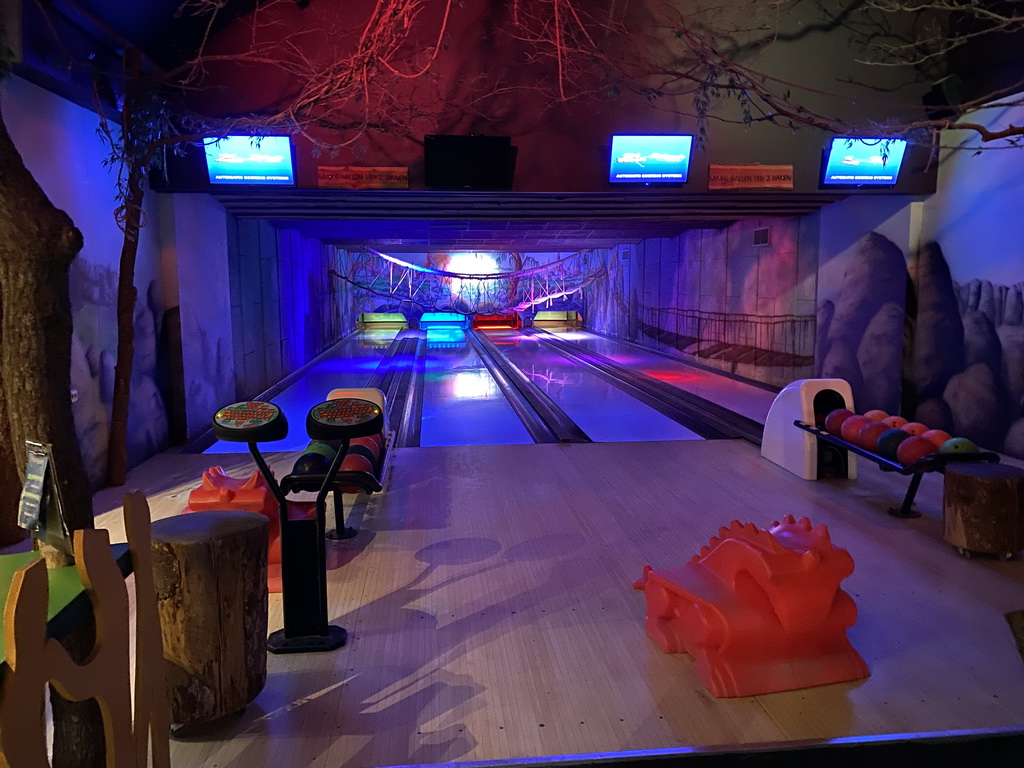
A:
x,y
467,385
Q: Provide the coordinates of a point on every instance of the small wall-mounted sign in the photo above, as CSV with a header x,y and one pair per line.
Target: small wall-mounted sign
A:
x,y
354,177
750,177
41,509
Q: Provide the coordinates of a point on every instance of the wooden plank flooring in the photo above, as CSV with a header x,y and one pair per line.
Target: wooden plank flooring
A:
x,y
491,612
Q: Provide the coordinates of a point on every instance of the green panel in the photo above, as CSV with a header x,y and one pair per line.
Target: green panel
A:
x,y
550,315
382,317
64,587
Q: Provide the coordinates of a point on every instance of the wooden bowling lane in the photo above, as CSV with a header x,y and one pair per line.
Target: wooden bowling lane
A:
x,y
490,604
745,398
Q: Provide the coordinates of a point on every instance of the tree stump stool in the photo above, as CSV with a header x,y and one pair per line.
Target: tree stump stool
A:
x,y
210,570
983,508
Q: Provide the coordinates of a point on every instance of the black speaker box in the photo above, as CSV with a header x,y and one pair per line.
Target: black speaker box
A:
x,y
183,170
944,93
468,162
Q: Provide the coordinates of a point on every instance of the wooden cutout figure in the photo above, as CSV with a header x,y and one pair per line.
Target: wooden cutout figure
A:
x,y
35,659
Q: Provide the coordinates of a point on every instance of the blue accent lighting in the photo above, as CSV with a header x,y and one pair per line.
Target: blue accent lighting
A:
x,y
250,160
650,159
431,320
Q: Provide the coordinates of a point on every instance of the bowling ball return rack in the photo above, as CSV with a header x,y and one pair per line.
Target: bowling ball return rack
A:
x,y
303,557
933,462
367,482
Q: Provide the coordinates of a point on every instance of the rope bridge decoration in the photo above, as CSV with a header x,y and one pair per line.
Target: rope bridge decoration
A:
x,y
773,340
489,294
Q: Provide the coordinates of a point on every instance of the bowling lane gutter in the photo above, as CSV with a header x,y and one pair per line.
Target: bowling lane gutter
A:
x,y
543,419
206,439
403,388
709,420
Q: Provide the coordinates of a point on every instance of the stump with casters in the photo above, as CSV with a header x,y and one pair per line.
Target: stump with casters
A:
x,y
983,509
210,570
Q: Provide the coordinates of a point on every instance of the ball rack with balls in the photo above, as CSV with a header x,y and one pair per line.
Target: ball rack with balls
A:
x,y
933,462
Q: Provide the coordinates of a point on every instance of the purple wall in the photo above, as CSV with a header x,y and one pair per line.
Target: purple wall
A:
x,y
59,145
716,298
285,309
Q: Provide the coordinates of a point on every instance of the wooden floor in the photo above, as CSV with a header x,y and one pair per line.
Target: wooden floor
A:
x,y
492,616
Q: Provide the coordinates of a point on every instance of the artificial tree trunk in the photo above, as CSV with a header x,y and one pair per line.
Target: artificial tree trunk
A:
x,y
37,245
10,481
127,295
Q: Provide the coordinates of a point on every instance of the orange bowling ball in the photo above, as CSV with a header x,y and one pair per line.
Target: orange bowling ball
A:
x,y
876,414
895,422
852,426
937,436
913,449
868,436
915,428
834,421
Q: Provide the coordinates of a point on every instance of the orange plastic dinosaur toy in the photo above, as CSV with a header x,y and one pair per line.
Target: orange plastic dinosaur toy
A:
x,y
249,494
759,610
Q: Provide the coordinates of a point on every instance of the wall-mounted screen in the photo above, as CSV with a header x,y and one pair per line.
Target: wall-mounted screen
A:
x,y
650,159
247,160
468,162
862,162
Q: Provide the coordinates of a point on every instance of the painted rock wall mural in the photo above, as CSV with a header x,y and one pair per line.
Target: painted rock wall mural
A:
x,y
93,290
860,332
969,355
957,364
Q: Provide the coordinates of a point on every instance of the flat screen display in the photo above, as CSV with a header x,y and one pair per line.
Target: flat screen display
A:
x,y
245,160
650,159
859,161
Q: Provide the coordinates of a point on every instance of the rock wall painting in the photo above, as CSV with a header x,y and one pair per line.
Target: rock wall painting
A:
x,y
956,364
969,355
861,331
210,382
93,290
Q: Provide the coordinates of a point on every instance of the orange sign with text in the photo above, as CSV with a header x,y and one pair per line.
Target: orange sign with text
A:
x,y
750,177
355,177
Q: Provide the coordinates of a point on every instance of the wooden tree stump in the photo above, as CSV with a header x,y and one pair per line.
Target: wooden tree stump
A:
x,y
983,508
211,582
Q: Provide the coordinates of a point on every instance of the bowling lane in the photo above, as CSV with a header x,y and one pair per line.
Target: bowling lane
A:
x,y
602,410
462,404
350,363
746,399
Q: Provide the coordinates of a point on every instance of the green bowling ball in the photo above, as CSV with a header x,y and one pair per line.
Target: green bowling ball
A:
x,y
958,445
326,450
311,464
889,442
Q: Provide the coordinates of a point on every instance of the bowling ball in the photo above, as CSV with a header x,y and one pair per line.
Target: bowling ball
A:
x,y
324,449
889,442
915,428
896,422
958,445
311,464
834,421
876,415
868,436
914,448
937,436
852,427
